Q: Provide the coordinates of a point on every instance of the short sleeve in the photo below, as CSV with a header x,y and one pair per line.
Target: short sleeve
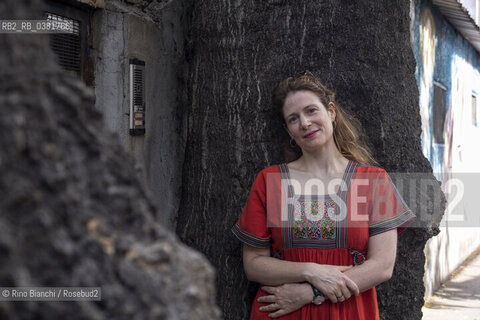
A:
x,y
388,210
252,228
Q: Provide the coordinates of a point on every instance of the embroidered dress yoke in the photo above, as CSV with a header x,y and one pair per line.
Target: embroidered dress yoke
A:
x,y
332,228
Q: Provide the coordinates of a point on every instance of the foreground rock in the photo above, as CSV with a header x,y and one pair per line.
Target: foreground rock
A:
x,y
72,212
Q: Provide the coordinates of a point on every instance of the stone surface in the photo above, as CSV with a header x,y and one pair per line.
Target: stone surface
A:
x,y
73,212
238,51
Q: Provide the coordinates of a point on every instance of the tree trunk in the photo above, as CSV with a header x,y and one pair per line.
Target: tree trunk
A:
x,y
239,51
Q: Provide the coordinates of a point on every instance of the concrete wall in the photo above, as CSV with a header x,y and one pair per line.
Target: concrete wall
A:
x,y
444,57
122,32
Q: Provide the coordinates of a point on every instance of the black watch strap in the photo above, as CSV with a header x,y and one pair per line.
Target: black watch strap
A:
x,y
318,297
316,292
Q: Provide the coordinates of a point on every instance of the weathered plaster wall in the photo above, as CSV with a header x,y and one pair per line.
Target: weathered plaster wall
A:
x,y
455,64
123,31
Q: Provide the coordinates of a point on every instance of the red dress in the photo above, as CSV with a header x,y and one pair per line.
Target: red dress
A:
x,y
327,229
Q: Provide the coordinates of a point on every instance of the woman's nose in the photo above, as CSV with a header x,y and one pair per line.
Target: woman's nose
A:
x,y
304,122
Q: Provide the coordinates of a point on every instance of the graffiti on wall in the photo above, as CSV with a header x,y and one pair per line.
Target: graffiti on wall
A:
x,y
427,47
458,123
449,81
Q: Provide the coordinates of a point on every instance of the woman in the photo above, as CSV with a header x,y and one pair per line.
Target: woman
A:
x,y
319,244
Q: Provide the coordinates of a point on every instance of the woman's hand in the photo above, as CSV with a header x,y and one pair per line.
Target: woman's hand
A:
x,y
286,298
331,281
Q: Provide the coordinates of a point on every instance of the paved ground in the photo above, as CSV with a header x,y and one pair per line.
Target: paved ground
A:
x,y
459,298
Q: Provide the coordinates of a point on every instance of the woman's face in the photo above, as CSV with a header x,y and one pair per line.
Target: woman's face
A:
x,y
308,121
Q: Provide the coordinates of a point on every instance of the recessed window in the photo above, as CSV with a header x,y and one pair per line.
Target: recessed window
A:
x,y
474,110
439,112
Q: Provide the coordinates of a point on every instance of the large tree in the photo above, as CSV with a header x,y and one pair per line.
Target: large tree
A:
x,y
238,51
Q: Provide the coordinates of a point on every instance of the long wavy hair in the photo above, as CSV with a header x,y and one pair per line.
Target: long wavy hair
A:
x,y
348,133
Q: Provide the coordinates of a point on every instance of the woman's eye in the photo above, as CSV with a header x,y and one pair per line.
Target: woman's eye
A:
x,y
312,110
292,119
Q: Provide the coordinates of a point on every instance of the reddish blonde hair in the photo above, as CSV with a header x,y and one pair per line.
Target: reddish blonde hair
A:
x,y
347,130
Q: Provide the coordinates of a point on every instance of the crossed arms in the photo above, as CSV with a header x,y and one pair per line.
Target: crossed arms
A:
x,y
284,280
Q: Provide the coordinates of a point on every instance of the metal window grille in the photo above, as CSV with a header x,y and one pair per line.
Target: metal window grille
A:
x,y
67,46
137,97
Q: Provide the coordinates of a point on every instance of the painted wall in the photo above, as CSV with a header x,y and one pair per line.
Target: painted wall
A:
x,y
471,6
122,32
445,58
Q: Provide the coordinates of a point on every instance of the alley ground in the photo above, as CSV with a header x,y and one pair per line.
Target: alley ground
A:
x,y
459,298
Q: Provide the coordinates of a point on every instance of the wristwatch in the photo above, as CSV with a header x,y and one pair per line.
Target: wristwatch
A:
x,y
318,297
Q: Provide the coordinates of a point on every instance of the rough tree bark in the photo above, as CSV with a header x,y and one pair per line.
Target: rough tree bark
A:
x,y
239,50
72,212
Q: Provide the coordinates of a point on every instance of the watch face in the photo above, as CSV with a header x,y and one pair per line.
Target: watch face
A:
x,y
318,299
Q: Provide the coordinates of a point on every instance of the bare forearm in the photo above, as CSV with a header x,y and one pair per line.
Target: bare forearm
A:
x,y
379,265
365,276
369,274
260,267
328,279
273,272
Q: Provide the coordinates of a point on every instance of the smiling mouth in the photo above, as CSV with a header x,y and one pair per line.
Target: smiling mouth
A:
x,y
311,134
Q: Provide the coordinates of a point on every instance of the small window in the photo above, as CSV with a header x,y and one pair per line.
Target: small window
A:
x,y
71,49
439,112
67,46
474,110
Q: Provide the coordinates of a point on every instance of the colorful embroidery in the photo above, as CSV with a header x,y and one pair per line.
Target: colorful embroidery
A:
x,y
300,229
314,208
329,209
299,210
358,257
328,228
313,219
314,229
